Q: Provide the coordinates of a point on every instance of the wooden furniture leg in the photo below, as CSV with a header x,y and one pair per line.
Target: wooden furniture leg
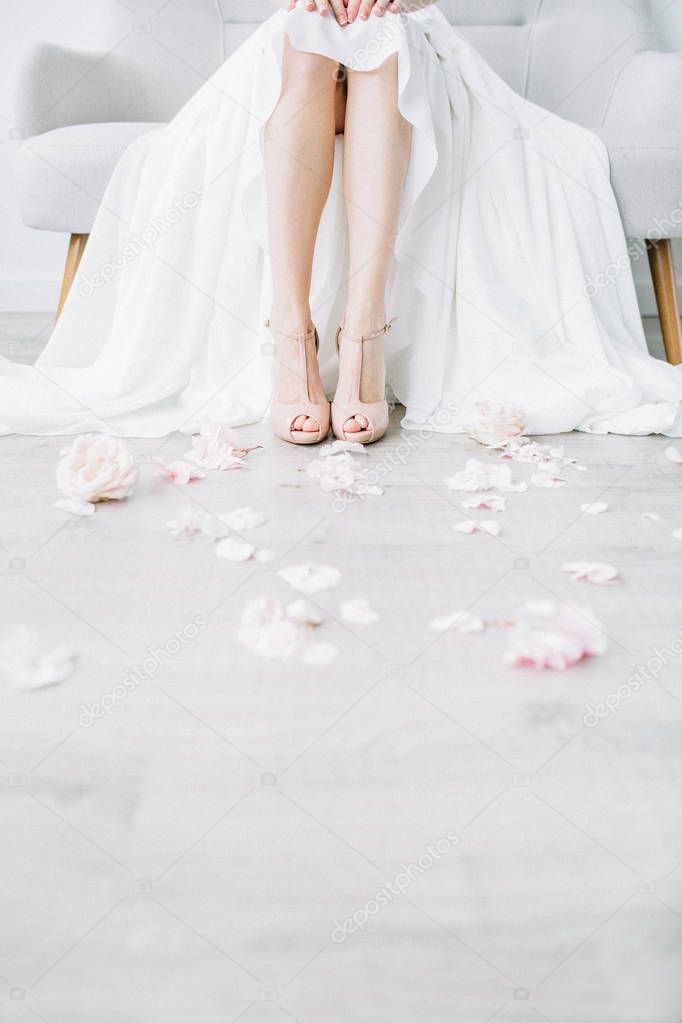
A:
x,y
662,263
77,245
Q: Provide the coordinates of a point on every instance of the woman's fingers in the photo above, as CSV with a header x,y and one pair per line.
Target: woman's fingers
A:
x,y
322,6
381,7
353,8
366,9
339,9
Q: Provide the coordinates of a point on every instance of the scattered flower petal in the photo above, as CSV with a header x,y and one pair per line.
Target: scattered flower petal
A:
x,y
487,502
596,508
652,516
233,549
477,476
677,533
215,448
242,519
673,455
469,526
591,571
24,666
190,520
309,578
303,613
278,633
97,468
548,636
178,471
358,612
549,475
337,447
460,621
339,473
493,423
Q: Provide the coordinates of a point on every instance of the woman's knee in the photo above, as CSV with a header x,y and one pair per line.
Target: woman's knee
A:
x,y
308,70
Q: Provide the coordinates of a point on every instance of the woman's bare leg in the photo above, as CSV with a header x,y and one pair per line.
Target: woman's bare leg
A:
x,y
299,160
376,156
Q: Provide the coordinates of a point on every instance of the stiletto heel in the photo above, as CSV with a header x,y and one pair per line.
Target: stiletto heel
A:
x,y
375,412
285,413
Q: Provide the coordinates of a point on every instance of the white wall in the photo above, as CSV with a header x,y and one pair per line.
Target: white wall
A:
x,y
31,261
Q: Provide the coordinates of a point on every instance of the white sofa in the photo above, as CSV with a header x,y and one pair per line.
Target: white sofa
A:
x,y
597,62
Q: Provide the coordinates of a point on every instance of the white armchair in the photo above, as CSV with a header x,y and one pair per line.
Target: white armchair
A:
x,y
600,64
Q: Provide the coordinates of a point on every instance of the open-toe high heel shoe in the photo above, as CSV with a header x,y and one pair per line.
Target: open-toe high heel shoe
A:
x,y
284,414
375,413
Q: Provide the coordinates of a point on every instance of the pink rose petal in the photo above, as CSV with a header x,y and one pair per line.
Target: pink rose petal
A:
x,y
549,636
591,571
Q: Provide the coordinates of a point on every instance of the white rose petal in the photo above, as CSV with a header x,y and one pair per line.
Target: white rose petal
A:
x,y
591,571
25,666
309,578
673,455
460,621
477,476
358,612
232,549
596,508
242,519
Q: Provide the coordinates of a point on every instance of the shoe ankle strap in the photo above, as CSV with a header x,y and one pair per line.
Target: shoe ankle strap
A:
x,y
366,337
292,337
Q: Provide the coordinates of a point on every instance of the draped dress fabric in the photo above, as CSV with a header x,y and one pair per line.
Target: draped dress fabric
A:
x,y
508,219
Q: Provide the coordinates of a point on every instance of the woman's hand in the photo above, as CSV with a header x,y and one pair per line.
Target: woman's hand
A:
x,y
363,8
323,7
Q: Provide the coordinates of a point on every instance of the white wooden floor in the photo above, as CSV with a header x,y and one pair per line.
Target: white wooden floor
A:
x,y
191,854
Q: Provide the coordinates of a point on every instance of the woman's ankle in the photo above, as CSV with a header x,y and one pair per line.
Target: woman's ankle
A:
x,y
362,320
294,320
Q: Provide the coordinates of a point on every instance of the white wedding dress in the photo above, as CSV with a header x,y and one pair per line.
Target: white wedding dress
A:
x,y
508,211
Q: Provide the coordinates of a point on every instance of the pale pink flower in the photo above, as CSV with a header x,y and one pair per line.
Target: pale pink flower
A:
x,y
469,526
550,636
96,468
177,472
493,423
591,571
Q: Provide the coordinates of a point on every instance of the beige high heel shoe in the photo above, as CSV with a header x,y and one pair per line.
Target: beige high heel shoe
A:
x,y
284,413
375,412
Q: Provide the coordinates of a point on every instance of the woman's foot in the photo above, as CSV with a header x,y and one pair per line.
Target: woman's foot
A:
x,y
300,410
360,412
